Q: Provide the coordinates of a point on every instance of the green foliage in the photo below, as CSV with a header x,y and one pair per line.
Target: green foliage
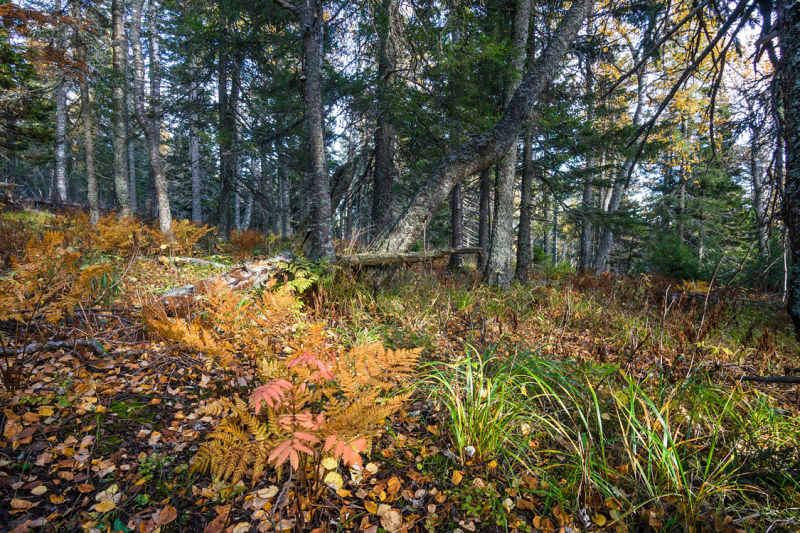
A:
x,y
674,258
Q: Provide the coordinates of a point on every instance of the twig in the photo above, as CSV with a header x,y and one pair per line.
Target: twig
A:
x,y
50,346
770,379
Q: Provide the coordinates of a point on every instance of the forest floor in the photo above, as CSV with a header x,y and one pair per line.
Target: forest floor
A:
x,y
596,403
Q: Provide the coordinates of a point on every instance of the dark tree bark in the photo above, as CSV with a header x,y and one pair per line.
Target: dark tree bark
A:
x,y
484,150
119,52
498,269
456,226
150,125
525,209
226,137
789,31
485,217
194,148
88,126
385,137
587,199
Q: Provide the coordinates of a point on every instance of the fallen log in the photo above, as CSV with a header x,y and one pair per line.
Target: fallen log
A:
x,y
193,261
770,379
256,273
378,259
51,346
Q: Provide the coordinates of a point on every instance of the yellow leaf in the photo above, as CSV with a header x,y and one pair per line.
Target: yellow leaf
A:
x,y
105,506
600,520
457,477
371,506
38,491
333,478
329,463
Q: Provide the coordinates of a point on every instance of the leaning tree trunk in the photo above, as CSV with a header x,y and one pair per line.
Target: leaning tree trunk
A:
x,y
119,59
482,151
789,30
385,137
525,209
311,18
498,269
621,181
88,128
150,126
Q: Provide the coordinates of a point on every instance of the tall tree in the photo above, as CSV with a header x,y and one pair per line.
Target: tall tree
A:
x,y
119,60
194,146
61,120
388,22
498,269
92,189
484,150
149,125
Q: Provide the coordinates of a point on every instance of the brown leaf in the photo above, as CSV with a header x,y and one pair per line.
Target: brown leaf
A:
x,y
165,515
392,521
21,504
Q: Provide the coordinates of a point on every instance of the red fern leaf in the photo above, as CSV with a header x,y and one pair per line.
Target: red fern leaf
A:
x,y
271,393
312,360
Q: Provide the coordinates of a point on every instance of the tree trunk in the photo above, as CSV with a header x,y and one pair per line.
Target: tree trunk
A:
x,y
88,126
498,269
194,148
312,23
587,199
484,217
525,209
757,178
385,137
226,162
61,123
607,234
119,51
548,221
456,226
555,232
255,177
129,114
789,30
484,150
150,126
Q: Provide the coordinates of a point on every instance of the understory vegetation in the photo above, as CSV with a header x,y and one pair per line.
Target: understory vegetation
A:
x,y
317,401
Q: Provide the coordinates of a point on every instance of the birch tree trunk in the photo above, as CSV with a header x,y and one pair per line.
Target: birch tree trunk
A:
x,y
385,136
61,122
119,59
150,126
88,126
484,150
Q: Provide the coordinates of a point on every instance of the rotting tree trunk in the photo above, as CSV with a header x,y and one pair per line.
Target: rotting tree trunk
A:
x,y
484,150
92,191
456,226
484,217
525,209
385,137
498,269
150,125
119,52
789,31
607,232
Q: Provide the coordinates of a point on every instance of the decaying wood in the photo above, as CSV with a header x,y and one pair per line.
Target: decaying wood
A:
x,y
51,346
195,261
770,379
237,277
377,259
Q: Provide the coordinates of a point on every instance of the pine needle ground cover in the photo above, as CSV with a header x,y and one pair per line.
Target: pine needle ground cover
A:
x,y
320,403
